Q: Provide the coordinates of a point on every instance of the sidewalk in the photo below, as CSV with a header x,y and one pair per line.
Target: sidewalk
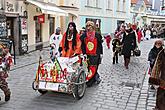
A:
x,y
30,58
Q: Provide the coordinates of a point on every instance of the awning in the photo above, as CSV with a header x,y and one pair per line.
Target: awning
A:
x,y
72,13
48,8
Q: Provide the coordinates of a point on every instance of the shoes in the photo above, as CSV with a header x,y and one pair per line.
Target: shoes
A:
x,y
98,81
7,98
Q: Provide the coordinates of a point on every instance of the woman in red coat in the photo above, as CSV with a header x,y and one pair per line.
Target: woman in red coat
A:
x,y
108,40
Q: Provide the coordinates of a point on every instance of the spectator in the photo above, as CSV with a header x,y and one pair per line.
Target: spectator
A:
x,y
158,46
129,44
158,78
108,40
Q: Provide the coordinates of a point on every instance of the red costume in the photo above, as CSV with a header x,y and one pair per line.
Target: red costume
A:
x,y
70,52
108,40
92,47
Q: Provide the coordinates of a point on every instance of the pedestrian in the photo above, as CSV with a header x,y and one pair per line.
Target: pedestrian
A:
x,y
128,45
54,42
108,40
158,46
158,78
116,48
147,34
82,31
5,63
139,35
92,47
70,44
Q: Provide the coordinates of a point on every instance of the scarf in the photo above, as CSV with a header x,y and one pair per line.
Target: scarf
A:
x,y
91,35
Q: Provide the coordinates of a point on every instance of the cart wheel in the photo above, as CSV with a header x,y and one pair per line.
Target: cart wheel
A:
x,y
34,85
79,90
42,91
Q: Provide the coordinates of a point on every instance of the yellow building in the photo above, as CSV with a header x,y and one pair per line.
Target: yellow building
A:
x,y
43,18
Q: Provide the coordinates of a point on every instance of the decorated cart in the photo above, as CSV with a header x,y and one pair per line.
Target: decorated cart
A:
x,y
67,75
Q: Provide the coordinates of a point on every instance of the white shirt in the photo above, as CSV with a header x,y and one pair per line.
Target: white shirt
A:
x,y
54,41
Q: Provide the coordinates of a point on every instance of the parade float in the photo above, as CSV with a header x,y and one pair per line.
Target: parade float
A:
x,y
66,75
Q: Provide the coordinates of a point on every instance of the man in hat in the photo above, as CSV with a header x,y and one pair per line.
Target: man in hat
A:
x,y
92,47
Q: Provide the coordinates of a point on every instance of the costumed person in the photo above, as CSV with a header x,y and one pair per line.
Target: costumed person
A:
x,y
92,47
108,40
158,78
158,46
128,45
70,44
54,42
116,48
5,62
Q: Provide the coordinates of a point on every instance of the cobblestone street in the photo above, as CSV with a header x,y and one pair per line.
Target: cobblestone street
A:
x,y
120,89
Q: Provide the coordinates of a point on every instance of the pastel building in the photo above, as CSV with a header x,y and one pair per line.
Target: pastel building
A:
x,y
107,14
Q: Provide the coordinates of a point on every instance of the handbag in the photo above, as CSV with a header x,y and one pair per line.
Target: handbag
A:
x,y
137,52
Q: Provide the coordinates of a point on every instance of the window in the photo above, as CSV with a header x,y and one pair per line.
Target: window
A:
x,y
38,29
97,3
118,5
124,5
87,2
108,4
51,25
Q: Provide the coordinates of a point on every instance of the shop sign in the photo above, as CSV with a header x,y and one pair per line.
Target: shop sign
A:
x,y
41,18
9,7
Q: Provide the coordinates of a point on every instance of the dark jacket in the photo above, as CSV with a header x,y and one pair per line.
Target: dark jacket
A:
x,y
129,43
116,43
153,54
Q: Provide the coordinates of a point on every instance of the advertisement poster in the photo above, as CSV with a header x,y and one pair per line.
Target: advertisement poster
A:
x,y
3,31
24,26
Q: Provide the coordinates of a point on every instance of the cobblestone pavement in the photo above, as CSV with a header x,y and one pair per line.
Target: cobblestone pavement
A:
x,y
120,89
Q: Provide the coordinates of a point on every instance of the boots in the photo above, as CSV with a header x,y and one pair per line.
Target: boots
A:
x,y
7,95
116,59
126,63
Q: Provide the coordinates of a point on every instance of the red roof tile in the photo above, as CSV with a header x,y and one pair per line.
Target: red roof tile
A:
x,y
135,1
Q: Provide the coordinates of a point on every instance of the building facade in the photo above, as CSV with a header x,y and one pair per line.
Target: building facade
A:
x,y
13,13
43,18
107,14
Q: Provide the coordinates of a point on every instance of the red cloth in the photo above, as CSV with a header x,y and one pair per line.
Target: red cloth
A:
x,y
134,27
108,40
139,33
91,42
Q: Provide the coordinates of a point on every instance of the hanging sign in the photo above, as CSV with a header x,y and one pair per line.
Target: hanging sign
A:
x,y
41,18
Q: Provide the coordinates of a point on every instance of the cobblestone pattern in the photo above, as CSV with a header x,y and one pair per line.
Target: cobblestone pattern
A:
x,y
120,89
